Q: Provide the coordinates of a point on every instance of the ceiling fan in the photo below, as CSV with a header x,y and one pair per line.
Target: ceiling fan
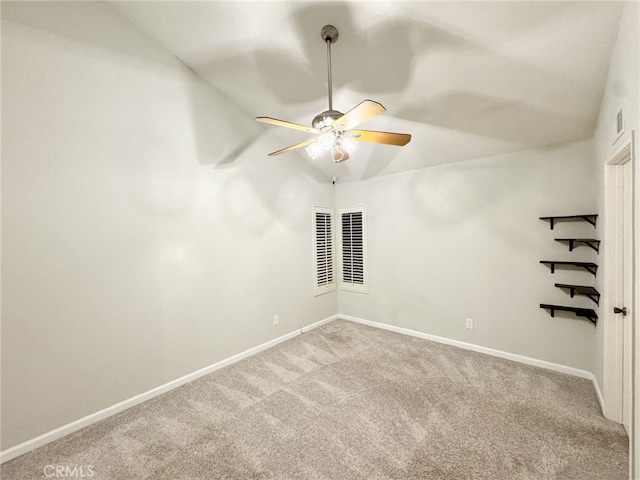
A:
x,y
336,130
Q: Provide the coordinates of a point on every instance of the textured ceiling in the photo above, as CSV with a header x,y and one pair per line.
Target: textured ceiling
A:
x,y
466,79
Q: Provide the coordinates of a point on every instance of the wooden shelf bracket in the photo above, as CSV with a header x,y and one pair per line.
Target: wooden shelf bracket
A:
x,y
589,218
589,292
579,312
590,267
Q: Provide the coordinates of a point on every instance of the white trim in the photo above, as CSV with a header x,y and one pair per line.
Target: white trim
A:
x,y
623,152
596,386
556,367
613,333
76,425
315,325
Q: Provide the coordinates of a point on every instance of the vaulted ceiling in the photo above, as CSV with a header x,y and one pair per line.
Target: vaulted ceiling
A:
x,y
466,79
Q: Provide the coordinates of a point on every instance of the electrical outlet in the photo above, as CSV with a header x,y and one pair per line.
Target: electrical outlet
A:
x,y
468,323
276,319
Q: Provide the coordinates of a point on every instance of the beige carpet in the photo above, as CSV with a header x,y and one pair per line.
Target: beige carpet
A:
x,y
361,403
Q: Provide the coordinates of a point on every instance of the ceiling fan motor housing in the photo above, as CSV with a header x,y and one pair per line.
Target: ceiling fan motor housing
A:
x,y
326,119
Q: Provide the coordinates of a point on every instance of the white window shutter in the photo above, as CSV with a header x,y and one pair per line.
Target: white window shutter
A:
x,y
352,245
324,251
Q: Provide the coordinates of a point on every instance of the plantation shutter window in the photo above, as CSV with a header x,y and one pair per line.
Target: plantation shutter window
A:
x,y
352,246
324,250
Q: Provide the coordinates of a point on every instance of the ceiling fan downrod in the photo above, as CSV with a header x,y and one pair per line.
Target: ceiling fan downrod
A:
x,y
329,35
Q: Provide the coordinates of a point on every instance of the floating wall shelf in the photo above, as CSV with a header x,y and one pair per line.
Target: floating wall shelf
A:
x,y
574,242
588,266
580,312
592,268
589,292
590,218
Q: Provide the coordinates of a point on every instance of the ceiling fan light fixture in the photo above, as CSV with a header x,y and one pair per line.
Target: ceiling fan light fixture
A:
x,y
327,140
339,154
314,150
349,145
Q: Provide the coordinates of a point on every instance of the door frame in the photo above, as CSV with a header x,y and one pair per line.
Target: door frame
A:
x,y
619,165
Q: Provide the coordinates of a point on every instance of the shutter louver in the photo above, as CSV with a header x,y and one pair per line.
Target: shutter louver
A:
x,y
324,249
324,280
352,249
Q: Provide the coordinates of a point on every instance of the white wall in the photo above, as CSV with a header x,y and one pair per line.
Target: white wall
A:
x,y
622,90
145,233
464,241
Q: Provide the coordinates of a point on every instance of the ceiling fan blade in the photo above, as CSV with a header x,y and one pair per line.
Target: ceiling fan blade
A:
x,y
389,138
293,147
362,112
283,123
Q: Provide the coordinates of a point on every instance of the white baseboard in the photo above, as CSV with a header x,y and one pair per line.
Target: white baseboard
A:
x,y
477,348
308,328
596,386
64,430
